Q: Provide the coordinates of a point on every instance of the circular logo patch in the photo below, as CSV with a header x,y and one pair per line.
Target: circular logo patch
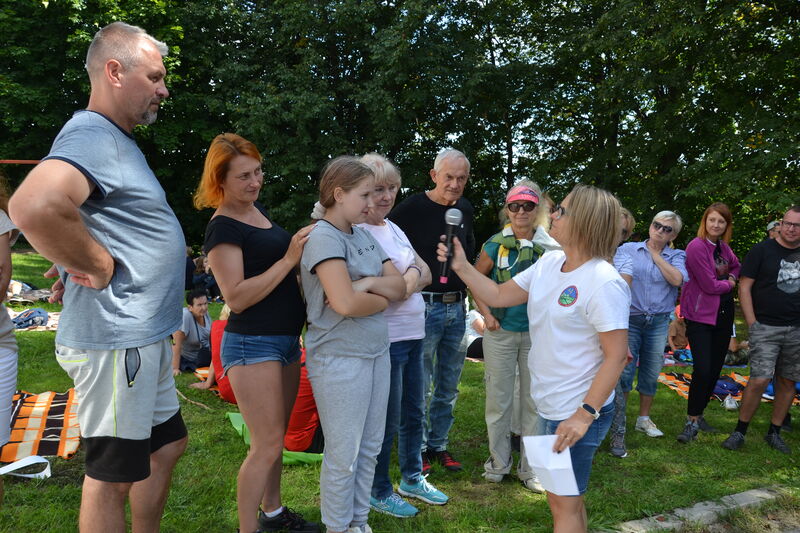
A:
x,y
569,296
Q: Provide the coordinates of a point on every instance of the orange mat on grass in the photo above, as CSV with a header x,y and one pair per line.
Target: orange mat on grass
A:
x,y
42,424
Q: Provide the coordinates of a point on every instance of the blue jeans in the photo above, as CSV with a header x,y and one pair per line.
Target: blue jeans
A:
x,y
647,337
404,413
443,352
582,452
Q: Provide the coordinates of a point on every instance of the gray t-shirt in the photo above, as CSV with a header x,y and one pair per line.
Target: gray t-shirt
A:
x,y
7,339
196,335
127,213
330,333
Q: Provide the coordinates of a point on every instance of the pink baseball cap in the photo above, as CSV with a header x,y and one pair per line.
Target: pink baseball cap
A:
x,y
522,193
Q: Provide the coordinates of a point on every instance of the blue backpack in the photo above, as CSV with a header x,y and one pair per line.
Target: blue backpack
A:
x,y
30,318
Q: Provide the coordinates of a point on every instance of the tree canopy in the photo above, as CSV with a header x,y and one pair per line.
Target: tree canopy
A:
x,y
670,104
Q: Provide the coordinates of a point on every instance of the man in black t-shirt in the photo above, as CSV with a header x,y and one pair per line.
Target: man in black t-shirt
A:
x,y
769,293
421,217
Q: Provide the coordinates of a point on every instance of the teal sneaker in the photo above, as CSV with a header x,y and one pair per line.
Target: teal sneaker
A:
x,y
424,491
394,505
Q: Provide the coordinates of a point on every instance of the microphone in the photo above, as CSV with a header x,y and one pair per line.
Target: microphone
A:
x,y
453,219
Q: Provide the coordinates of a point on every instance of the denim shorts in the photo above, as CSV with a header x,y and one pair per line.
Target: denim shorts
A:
x,y
582,452
239,349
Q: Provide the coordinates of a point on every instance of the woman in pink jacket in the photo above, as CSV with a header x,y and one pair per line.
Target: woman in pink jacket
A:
x,y
707,305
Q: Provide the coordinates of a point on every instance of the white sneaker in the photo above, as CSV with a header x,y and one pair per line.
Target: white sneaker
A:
x,y
356,529
493,478
648,427
533,485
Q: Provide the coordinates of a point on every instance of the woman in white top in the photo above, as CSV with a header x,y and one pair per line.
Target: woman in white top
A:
x,y
406,321
578,315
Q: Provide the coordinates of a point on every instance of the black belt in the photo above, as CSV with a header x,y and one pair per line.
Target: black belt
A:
x,y
444,297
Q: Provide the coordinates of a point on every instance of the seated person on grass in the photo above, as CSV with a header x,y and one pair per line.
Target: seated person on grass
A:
x,y
191,348
678,342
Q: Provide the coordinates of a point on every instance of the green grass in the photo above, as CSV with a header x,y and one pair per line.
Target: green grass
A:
x,y
658,476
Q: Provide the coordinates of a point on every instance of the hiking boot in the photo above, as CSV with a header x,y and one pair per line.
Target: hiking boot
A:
x,y
648,427
702,425
533,485
394,505
776,441
618,445
734,441
689,432
446,460
288,520
426,463
422,490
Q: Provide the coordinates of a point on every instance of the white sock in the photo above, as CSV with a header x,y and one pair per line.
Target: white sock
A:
x,y
273,514
643,418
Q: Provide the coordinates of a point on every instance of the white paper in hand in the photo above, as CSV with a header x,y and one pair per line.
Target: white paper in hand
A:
x,y
554,470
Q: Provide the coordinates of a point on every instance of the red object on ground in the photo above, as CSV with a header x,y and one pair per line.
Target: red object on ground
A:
x,y
224,386
304,420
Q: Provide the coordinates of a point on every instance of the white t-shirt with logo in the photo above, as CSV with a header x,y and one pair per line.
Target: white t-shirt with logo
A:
x,y
566,311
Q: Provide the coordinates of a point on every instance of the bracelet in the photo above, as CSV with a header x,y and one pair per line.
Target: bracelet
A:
x,y
415,267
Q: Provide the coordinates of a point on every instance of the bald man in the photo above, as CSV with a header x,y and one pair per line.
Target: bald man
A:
x,y
94,208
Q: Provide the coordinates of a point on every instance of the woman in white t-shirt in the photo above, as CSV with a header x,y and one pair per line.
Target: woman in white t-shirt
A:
x,y
578,315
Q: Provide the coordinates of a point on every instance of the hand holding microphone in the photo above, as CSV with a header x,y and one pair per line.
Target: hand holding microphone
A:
x,y
453,220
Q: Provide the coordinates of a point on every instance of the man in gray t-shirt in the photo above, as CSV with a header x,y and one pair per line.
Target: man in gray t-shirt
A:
x,y
94,207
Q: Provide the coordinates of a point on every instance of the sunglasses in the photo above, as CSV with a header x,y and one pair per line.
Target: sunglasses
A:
x,y
526,206
661,227
561,210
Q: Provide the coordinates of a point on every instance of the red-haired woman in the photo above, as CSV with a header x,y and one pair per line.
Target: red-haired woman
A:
x,y
707,305
254,262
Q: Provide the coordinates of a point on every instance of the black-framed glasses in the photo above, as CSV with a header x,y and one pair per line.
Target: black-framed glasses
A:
x,y
514,207
789,225
661,227
560,209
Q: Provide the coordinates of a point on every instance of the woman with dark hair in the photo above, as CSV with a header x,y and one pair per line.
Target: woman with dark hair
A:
x,y
708,308
254,261
191,347
578,317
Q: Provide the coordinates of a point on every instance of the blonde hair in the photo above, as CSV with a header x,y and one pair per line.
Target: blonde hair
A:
x,y
225,312
345,172
628,223
541,213
595,220
384,170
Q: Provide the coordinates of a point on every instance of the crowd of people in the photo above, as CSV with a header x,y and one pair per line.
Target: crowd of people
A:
x,y
571,315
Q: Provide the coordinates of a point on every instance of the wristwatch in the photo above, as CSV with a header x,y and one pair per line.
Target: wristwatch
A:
x,y
591,410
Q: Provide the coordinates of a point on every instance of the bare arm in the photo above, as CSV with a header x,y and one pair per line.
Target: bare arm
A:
x,y
227,263
340,293
177,338
416,281
746,299
484,266
390,284
615,352
670,273
5,264
508,294
209,382
45,209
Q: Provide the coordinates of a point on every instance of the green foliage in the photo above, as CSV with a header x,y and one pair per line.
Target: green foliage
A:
x,y
671,104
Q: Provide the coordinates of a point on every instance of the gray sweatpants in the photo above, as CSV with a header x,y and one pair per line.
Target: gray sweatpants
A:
x,y
352,394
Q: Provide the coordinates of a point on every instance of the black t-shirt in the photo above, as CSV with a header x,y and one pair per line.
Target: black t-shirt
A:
x,y
776,289
422,220
282,312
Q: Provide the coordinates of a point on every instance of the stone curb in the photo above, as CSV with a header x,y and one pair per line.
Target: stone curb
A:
x,y
702,513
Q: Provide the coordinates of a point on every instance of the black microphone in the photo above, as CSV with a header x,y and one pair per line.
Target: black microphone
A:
x,y
453,219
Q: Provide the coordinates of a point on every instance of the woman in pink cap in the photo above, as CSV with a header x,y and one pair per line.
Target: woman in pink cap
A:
x,y
506,341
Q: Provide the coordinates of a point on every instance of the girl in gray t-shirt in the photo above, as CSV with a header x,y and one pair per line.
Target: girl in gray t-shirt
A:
x,y
348,281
